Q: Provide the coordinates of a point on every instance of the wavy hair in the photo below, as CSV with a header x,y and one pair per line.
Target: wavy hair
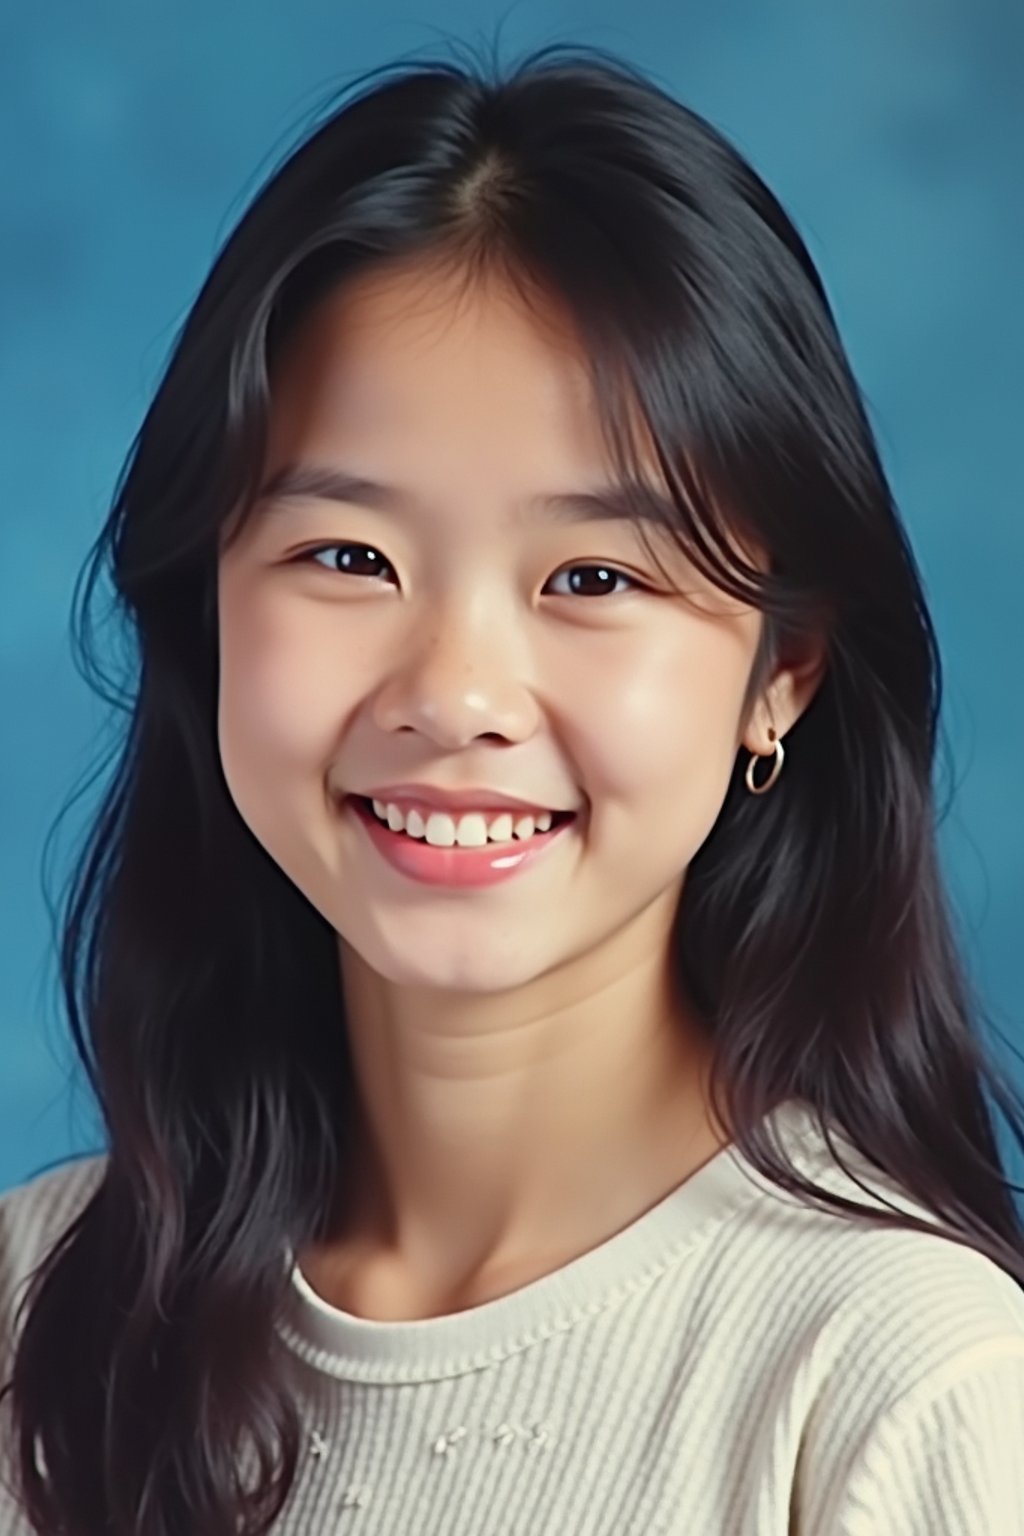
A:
x,y
202,989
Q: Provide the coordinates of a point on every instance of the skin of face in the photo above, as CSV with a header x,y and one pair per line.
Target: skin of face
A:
x,y
529,1082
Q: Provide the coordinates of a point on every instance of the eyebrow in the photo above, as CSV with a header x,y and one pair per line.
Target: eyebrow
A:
x,y
611,503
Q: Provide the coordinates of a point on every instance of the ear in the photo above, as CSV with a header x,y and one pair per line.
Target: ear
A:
x,y
784,698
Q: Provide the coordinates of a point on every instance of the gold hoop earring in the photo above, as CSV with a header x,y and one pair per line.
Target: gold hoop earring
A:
x,y
780,757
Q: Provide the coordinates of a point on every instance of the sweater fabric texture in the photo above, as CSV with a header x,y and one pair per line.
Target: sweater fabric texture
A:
x,y
733,1362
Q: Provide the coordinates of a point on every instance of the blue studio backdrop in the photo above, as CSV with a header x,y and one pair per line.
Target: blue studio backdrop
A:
x,y
135,134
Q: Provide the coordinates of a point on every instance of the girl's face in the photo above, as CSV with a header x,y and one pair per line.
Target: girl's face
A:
x,y
460,645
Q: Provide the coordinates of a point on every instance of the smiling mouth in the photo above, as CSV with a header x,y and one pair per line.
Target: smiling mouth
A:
x,y
558,819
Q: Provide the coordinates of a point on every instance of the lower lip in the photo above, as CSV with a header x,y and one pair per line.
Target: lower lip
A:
x,y
454,866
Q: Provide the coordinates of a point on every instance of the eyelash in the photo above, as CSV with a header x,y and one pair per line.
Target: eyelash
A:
x,y
306,556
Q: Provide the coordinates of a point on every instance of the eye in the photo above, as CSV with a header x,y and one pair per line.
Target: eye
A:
x,y
351,554
605,573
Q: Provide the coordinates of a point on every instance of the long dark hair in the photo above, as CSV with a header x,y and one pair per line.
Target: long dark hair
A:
x,y
202,989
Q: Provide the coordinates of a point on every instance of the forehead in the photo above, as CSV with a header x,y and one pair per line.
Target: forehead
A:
x,y
416,356
458,394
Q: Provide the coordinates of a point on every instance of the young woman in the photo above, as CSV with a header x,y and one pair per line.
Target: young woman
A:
x,y
542,1094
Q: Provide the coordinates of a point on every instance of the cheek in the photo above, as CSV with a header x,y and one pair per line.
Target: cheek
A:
x,y
668,712
277,709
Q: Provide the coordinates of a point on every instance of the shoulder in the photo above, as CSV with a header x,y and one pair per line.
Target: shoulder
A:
x,y
34,1214
899,1284
890,1313
915,1413
898,1347
883,1301
891,1357
842,1312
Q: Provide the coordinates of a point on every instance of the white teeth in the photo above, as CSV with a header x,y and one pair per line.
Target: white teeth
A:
x,y
468,831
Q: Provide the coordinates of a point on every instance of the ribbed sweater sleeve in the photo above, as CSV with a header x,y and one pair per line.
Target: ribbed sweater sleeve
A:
x,y
947,1459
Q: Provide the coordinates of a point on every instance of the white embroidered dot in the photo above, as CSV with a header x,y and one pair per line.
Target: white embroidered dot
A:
x,y
538,1435
445,1443
357,1496
317,1445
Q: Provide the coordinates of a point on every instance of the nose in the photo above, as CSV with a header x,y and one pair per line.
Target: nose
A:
x,y
457,678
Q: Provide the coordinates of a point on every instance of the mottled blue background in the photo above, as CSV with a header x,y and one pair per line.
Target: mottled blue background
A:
x,y
133,134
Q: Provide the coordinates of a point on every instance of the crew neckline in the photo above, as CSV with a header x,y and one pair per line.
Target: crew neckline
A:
x,y
354,1348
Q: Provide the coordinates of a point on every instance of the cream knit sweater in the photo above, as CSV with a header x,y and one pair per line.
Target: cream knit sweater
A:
x,y
732,1363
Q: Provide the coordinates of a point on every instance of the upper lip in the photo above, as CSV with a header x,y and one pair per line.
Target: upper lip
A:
x,y
455,799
